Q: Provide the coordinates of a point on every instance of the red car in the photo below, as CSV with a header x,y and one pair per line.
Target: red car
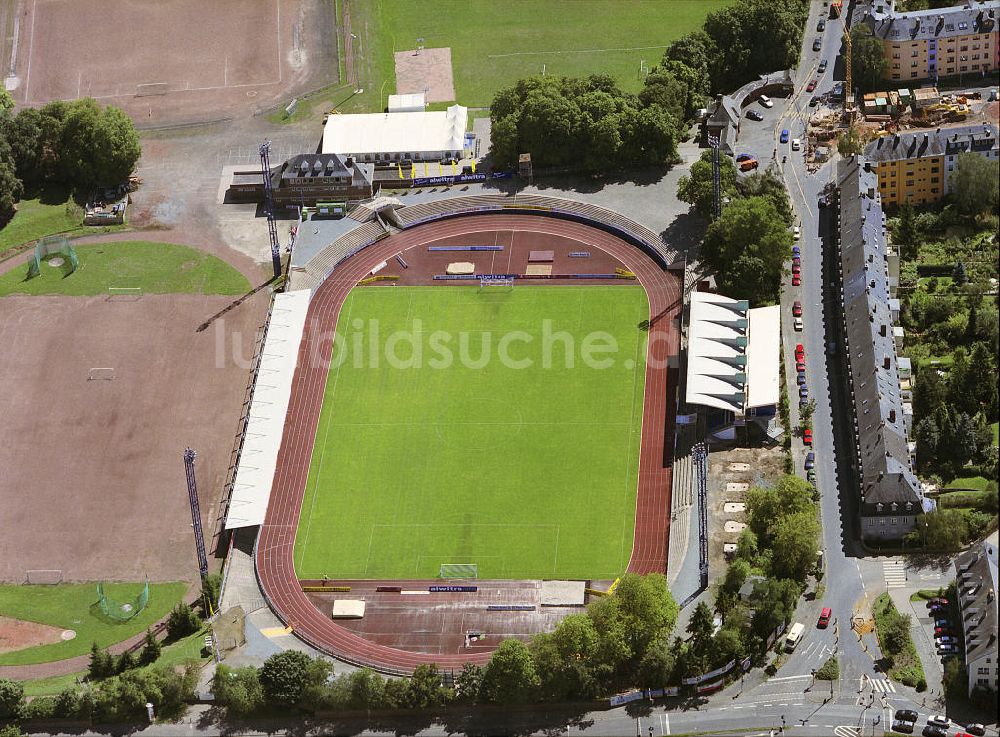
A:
x,y
800,352
811,86
938,601
807,437
800,366
796,268
796,280
796,309
824,618
941,632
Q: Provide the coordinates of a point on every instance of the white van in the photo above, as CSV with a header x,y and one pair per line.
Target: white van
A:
x,y
765,101
794,636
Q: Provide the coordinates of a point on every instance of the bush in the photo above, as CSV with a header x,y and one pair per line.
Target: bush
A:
x,y
11,699
829,671
921,685
40,707
210,590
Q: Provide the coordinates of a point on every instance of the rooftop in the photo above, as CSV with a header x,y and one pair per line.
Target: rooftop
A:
x,y
381,133
977,589
921,143
886,474
935,23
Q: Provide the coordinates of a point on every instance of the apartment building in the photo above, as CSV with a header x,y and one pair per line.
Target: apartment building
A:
x,y
939,42
976,586
890,499
917,165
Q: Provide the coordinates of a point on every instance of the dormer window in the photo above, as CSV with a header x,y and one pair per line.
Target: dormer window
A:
x,y
878,507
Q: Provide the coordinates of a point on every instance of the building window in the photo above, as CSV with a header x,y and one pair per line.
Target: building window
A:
x,y
909,182
934,190
983,671
964,69
913,74
914,54
934,180
934,170
895,56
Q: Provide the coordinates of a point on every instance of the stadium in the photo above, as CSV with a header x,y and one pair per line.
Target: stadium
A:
x,y
417,504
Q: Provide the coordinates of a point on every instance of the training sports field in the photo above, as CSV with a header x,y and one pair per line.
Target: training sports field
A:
x,y
528,472
493,44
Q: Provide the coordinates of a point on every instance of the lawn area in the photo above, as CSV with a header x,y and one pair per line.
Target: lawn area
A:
x,y
977,483
996,433
46,214
495,43
894,638
526,471
73,606
156,267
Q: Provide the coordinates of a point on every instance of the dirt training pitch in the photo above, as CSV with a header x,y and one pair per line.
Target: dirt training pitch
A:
x,y
425,70
93,478
162,60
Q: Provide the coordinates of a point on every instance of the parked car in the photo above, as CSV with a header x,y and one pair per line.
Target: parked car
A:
x,y
942,623
800,378
796,268
803,395
814,100
811,476
800,365
744,157
938,631
755,115
796,232
824,618
947,650
796,280
933,731
977,729
784,135
822,66
823,201
796,144
796,251
800,352
797,324
945,640
901,726
821,25
939,720
937,610
817,44
796,309
937,601
812,85
807,437
810,460
906,715
765,101
749,165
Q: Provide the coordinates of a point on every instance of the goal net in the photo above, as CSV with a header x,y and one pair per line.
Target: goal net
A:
x,y
52,245
44,576
459,570
496,280
101,374
121,611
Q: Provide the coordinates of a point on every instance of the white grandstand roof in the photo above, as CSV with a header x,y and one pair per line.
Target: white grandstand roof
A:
x,y
727,369
764,357
386,133
279,355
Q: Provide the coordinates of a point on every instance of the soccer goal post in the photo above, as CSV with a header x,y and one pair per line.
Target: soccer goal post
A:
x,y
100,373
459,570
496,280
126,294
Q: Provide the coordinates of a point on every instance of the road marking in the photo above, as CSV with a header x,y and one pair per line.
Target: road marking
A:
x,y
884,685
665,724
787,678
895,573
846,731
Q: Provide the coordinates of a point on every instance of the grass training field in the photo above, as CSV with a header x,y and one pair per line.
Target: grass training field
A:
x,y
47,213
74,607
495,43
158,268
526,471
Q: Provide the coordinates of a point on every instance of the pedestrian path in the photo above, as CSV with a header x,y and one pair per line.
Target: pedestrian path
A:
x,y
895,573
884,685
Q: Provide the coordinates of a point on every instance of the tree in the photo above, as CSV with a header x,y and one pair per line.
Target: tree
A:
x,y
829,671
510,676
849,143
646,608
367,689
11,699
943,530
467,683
560,678
768,184
210,590
773,602
67,703
868,63
102,663
150,650
928,437
238,689
906,235
747,247
182,621
11,730
6,102
695,51
126,661
975,183
11,190
658,664
99,147
959,273
701,627
929,393
796,540
284,676
726,645
698,189
424,689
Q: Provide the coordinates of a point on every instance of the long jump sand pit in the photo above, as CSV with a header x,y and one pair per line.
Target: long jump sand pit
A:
x,y
139,54
93,477
425,70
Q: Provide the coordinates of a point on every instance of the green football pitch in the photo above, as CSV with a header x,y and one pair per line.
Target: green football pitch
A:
x,y
522,460
493,44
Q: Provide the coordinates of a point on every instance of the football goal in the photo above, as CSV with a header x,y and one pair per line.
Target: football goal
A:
x,y
99,373
459,570
124,294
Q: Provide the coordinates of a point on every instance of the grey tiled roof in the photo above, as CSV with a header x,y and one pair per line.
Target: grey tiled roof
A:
x,y
886,475
327,165
977,590
936,23
922,143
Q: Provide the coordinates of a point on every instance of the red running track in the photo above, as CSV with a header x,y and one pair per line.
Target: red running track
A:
x,y
276,542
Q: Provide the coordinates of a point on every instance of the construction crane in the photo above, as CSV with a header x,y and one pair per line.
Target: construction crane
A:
x,y
848,87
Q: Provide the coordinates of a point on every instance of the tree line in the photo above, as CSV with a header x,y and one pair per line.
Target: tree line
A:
x,y
76,144
592,124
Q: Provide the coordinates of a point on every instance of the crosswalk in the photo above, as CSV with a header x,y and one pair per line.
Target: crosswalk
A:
x,y
846,731
884,685
895,573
